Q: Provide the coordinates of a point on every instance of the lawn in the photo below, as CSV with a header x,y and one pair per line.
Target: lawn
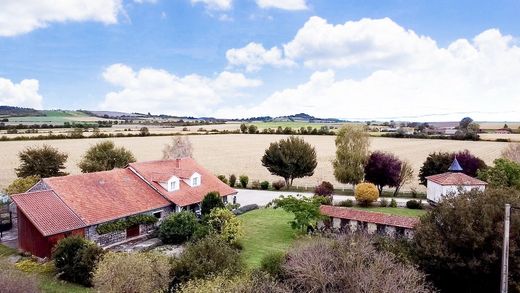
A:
x,y
265,231
48,282
394,211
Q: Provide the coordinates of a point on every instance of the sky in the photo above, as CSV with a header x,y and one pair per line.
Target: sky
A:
x,y
358,60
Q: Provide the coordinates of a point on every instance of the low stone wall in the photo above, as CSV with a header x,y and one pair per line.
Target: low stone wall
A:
x,y
350,226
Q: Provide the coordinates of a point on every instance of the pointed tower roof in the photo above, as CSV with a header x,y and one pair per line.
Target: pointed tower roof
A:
x,y
455,166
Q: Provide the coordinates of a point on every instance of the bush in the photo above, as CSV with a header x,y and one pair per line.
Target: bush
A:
x,y
208,256
272,263
346,203
223,178
211,200
21,185
245,209
383,203
256,282
264,185
31,266
366,193
132,272
243,180
232,180
13,281
414,204
324,189
178,227
277,185
226,224
255,184
393,203
75,259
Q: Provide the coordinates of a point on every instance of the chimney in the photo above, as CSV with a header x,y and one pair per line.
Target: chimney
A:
x,y
177,163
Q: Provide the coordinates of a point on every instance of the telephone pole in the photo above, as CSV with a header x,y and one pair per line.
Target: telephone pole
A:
x,y
505,250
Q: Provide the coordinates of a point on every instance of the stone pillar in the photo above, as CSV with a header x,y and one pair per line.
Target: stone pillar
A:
x,y
353,226
336,223
390,231
408,233
371,228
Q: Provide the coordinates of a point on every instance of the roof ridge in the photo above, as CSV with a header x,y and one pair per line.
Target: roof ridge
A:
x,y
74,212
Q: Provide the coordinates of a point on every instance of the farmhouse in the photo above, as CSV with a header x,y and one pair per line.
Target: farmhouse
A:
x,y
112,206
345,220
452,182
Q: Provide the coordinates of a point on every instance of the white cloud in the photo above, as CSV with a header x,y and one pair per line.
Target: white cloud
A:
x,y
215,4
254,56
23,94
283,4
408,75
22,16
158,91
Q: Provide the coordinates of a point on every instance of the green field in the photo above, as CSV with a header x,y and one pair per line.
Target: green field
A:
x,y
394,211
55,116
266,231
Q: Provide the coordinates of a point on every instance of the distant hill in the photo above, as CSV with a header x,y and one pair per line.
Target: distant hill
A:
x,y
18,111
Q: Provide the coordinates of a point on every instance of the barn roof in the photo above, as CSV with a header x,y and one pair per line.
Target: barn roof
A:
x,y
47,212
369,217
455,179
155,172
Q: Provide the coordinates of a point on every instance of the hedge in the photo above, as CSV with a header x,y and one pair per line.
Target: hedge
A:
x,y
121,225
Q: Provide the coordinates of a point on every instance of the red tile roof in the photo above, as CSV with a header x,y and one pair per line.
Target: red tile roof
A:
x,y
103,196
158,171
369,217
455,178
48,213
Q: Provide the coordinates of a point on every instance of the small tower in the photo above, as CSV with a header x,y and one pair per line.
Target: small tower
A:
x,y
455,166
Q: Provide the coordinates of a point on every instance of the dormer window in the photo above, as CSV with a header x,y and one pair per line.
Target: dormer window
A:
x,y
172,184
194,180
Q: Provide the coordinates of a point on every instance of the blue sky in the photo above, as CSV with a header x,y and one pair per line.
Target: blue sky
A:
x,y
233,58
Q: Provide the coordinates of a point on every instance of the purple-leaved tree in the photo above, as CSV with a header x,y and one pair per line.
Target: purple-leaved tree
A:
x,y
383,169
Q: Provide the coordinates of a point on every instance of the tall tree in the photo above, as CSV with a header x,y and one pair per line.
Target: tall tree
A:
x,y
512,152
43,162
405,176
440,162
504,173
290,158
351,154
383,169
179,147
105,156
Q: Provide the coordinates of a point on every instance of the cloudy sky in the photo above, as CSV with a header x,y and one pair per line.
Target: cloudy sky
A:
x,y
364,59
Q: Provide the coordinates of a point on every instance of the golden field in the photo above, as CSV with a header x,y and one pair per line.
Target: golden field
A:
x,y
241,153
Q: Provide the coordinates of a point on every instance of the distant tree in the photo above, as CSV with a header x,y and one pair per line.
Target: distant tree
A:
x,y
243,128
366,193
512,152
179,147
290,158
504,173
252,129
144,131
105,156
232,180
405,176
306,210
383,169
211,200
459,243
465,122
76,133
440,162
21,185
351,154
43,162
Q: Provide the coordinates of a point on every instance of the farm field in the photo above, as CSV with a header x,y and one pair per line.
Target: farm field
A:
x,y
293,125
241,153
55,116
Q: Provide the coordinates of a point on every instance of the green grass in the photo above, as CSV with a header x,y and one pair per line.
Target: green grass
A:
x,y
266,231
394,211
6,251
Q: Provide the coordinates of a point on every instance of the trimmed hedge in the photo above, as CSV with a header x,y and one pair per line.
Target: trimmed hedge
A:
x,y
121,225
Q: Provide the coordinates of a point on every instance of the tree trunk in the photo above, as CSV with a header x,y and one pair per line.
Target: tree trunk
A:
x,y
287,185
380,189
397,188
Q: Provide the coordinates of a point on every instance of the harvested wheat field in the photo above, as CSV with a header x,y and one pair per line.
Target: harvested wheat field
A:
x,y
241,153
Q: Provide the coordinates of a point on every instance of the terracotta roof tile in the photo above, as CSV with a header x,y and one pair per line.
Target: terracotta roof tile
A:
x,y
103,196
182,168
455,178
48,213
369,217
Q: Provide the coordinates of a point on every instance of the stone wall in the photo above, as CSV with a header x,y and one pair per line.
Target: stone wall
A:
x,y
352,226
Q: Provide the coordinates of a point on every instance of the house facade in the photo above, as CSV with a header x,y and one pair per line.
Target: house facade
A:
x,y
133,199
348,220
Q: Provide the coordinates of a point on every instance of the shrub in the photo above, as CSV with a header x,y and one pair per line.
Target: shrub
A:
x,y
211,200
13,281
31,266
264,185
272,263
393,203
232,180
245,209
226,224
346,203
324,189
21,185
255,282
243,180
414,204
255,184
208,256
223,178
132,272
178,227
366,193
75,259
121,225
277,185
383,203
